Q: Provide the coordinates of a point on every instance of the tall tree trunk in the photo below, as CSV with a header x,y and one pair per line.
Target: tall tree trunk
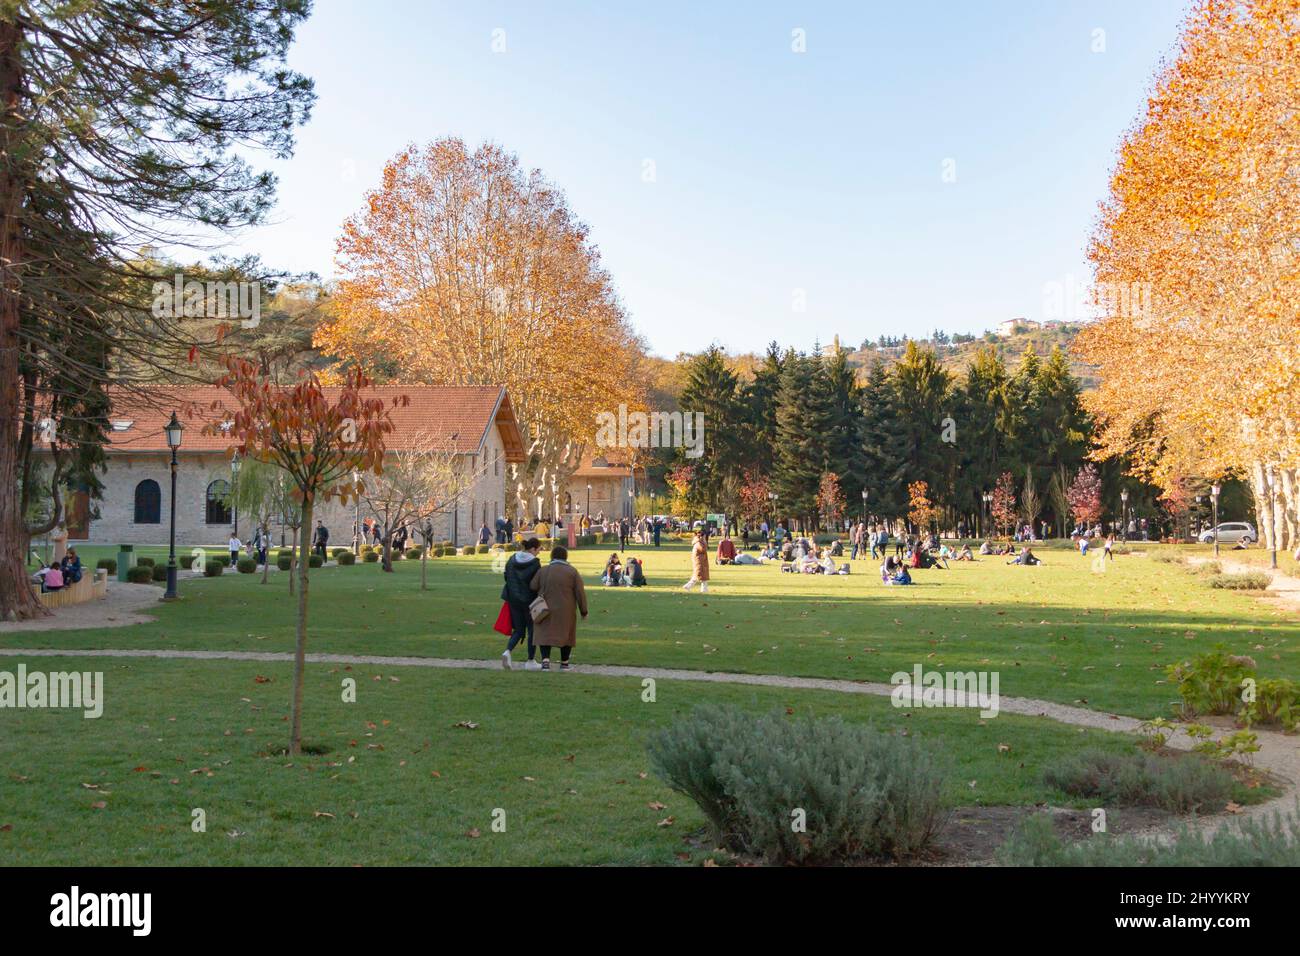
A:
x,y
300,650
17,600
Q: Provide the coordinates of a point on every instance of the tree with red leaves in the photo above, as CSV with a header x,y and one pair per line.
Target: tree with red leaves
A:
x,y
1003,506
318,444
830,502
1085,495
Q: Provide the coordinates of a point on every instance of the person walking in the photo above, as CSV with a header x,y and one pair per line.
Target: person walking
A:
x,y
235,547
699,563
560,585
322,538
624,532
517,592
658,527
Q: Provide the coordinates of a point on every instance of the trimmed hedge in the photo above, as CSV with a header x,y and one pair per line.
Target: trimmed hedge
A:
x,y
414,554
337,553
346,559
370,557
1247,581
484,549
108,564
586,540
160,572
214,568
143,562
185,561
246,565
314,560
139,575
284,561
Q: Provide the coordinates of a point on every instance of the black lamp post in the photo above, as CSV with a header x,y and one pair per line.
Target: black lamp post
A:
x,y
1214,497
988,502
864,506
1123,515
234,490
588,500
356,515
173,431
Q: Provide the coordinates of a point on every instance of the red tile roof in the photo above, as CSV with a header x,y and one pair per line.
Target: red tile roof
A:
x,y
456,417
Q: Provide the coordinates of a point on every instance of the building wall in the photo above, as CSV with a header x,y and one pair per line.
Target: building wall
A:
x,y
608,495
484,497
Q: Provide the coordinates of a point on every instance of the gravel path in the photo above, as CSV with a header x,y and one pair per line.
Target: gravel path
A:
x,y
121,607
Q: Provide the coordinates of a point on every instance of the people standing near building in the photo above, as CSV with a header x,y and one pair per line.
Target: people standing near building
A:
x,y
235,546
624,532
322,538
560,586
517,592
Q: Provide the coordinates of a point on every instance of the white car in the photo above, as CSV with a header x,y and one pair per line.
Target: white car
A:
x,y
1231,532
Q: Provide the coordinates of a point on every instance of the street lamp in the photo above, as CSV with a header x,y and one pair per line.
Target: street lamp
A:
x,y
234,490
1123,515
173,431
356,515
588,500
864,505
631,502
1272,513
988,505
1214,497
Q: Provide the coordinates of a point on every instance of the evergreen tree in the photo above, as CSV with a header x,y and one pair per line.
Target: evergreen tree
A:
x,y
712,389
883,445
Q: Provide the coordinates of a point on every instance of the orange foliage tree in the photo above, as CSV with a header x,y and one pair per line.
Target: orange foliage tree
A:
x,y
318,440
1197,265
464,269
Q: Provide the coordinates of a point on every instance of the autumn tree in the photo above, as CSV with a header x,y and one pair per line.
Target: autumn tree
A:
x,y
1195,260
830,501
464,269
318,439
921,510
1084,496
1003,506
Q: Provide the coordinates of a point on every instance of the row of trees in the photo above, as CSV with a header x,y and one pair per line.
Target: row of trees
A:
x,y
805,436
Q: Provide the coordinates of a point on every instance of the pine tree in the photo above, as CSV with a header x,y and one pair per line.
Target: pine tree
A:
x,y
712,389
883,446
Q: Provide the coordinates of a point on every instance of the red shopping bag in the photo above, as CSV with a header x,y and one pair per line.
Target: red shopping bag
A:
x,y
503,626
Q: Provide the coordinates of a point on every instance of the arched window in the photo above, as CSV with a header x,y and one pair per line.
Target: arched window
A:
x,y
148,502
219,502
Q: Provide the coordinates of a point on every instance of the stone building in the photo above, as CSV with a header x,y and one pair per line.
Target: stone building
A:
x,y
474,423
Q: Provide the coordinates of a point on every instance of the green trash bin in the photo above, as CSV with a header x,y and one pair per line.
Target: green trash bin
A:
x,y
125,560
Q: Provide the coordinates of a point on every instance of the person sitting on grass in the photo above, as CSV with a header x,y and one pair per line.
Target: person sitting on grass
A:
x,y
1026,556
634,576
986,547
726,551
888,569
900,575
944,556
965,554
613,575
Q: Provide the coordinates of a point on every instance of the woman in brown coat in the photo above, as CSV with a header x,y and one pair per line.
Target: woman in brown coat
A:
x,y
561,585
699,564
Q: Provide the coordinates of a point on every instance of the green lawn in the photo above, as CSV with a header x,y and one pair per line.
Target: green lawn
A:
x,y
561,754
1061,631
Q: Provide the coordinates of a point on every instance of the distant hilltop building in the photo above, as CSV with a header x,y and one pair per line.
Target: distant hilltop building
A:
x,y
1009,327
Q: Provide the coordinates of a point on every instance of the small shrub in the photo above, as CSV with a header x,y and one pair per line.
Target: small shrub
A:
x,y
1277,701
1246,581
139,574
865,794
484,548
214,568
414,554
314,560
246,565
337,553
284,553
1210,683
547,543
1207,568
586,540
108,564
1176,784
370,557
284,562
159,572
438,552
1170,556
185,561
142,562
1271,841
347,558
366,549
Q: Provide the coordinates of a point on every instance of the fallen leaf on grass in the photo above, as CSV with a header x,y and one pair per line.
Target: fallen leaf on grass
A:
x,y
666,821
99,805
656,805
467,724
322,813
473,833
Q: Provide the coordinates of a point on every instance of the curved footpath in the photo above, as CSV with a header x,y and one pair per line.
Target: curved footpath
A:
x,y
1279,754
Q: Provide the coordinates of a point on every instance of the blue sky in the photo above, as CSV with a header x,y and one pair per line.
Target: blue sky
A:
x,y
779,177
